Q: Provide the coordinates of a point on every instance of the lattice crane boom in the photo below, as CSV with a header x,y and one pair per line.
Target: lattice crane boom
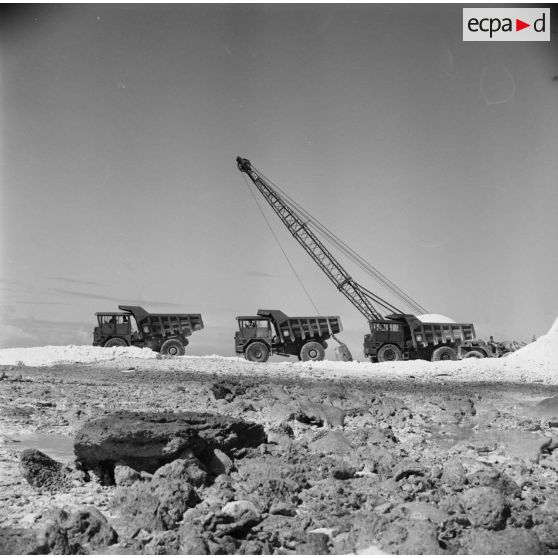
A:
x,y
362,299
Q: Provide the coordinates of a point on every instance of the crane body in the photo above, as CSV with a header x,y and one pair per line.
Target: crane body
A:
x,y
395,336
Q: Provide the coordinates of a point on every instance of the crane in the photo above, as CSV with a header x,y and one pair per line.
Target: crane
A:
x,y
359,296
397,335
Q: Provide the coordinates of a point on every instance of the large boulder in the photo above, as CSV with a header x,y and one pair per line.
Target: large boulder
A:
x,y
174,498
508,541
453,473
478,473
15,540
410,536
221,463
485,507
332,442
227,390
236,518
147,441
125,476
320,413
185,470
314,543
163,543
76,532
41,471
155,506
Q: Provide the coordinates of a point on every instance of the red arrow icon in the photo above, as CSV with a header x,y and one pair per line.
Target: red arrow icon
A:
x,y
519,25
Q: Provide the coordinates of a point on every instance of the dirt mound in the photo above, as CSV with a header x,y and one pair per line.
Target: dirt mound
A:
x,y
543,352
51,355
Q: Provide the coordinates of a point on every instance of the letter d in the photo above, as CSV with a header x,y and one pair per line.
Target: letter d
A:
x,y
541,21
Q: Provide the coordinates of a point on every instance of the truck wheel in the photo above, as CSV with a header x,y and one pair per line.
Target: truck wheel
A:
x,y
115,342
474,354
389,353
257,352
172,347
444,353
312,351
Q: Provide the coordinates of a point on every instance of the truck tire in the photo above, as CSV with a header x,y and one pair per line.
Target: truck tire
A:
x,y
474,354
312,351
444,353
257,352
389,353
115,342
172,347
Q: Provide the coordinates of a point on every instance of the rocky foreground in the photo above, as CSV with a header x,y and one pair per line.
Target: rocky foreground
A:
x,y
173,460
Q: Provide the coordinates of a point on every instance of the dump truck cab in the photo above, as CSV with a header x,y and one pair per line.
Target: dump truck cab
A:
x,y
271,332
382,333
114,329
254,329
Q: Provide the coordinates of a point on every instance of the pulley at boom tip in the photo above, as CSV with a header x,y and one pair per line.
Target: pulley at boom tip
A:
x,y
243,164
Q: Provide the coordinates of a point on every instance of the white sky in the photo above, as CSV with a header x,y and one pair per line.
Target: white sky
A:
x,y
433,158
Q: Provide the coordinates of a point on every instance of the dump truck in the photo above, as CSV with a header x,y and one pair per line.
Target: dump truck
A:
x,y
163,333
405,337
271,332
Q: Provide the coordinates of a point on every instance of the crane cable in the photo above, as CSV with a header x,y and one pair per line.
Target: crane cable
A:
x,y
280,245
345,349
324,232
349,252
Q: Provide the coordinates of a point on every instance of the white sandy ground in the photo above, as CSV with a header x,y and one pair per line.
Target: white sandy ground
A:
x,y
536,362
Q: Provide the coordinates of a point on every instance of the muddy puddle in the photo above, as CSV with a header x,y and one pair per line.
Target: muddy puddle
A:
x,y
60,448
513,443
449,435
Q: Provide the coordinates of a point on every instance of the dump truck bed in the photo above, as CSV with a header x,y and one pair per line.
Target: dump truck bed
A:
x,y
434,333
303,327
439,334
165,324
